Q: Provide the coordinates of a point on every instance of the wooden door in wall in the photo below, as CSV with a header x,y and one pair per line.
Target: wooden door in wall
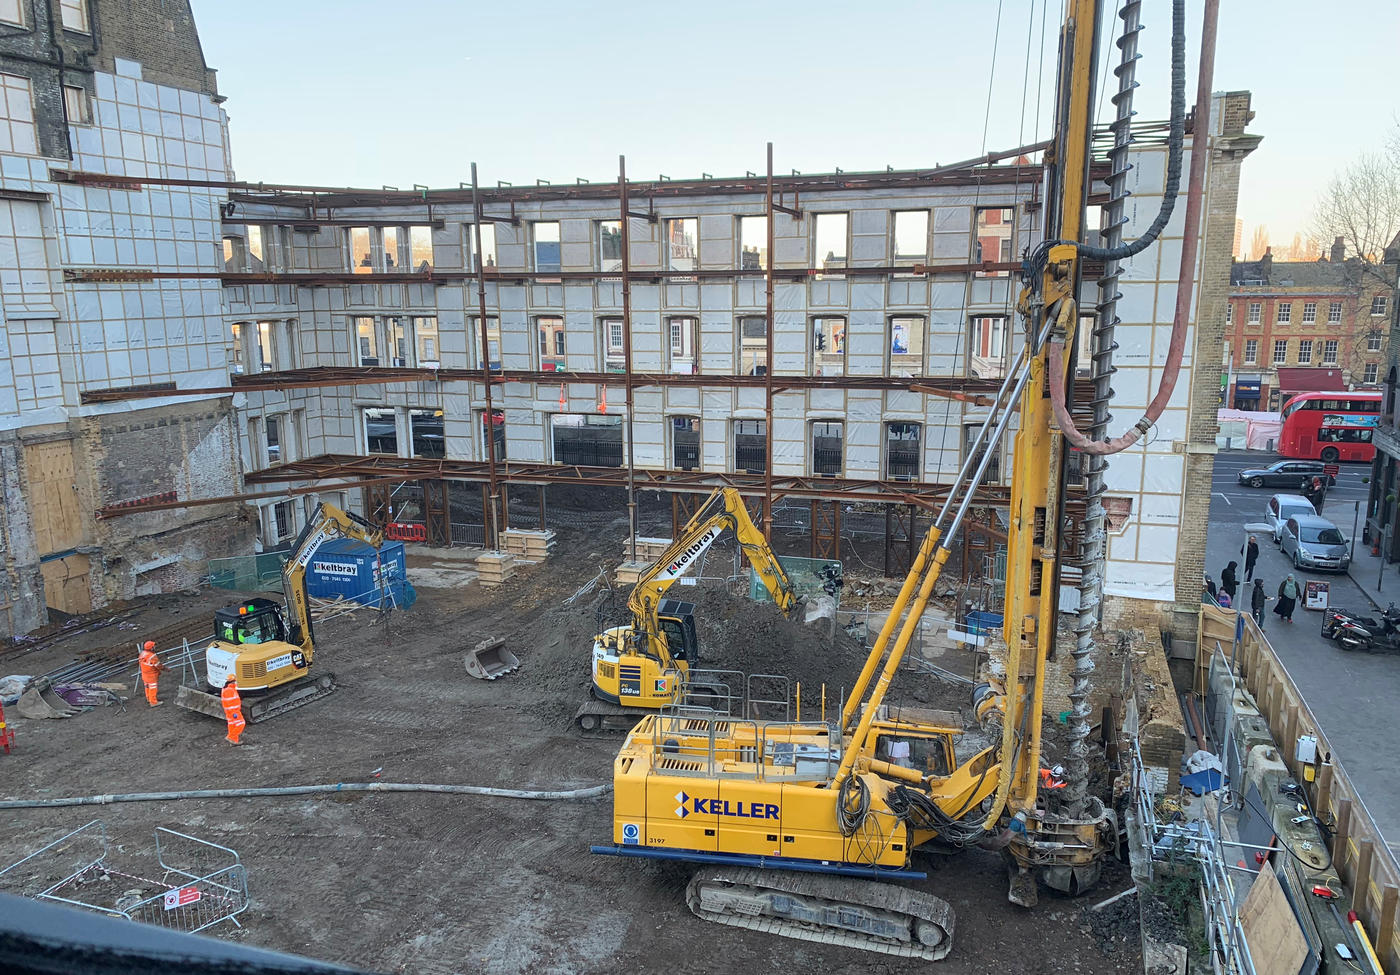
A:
x,y
58,524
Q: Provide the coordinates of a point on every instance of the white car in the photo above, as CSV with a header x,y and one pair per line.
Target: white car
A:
x,y
1281,508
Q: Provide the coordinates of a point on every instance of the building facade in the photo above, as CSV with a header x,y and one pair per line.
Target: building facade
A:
x,y
111,87
1288,318
172,341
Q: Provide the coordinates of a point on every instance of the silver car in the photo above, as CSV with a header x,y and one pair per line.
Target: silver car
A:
x,y
1313,542
1281,508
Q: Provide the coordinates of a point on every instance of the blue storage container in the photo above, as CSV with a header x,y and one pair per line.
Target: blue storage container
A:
x,y
980,622
351,569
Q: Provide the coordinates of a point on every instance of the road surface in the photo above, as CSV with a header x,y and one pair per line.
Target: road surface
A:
x,y
1353,695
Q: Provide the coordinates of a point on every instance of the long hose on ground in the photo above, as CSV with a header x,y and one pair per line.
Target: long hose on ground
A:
x,y
305,790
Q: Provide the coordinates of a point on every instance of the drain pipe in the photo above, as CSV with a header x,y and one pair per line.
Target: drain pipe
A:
x,y
591,792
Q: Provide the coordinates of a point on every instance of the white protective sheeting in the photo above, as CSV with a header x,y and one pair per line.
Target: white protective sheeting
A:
x,y
1248,429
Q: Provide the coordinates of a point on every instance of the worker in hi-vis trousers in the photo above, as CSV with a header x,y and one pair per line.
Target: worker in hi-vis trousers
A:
x,y
233,711
150,673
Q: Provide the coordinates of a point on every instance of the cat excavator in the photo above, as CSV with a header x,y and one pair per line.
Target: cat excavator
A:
x,y
646,665
267,647
807,828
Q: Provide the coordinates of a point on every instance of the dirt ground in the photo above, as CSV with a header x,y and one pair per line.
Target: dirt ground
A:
x,y
436,883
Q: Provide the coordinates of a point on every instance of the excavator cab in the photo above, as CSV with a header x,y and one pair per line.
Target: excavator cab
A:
x,y
677,621
256,621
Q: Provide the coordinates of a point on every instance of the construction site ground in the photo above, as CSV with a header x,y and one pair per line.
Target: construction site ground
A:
x,y
441,883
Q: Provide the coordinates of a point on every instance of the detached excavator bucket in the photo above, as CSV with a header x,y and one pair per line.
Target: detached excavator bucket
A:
x,y
193,699
490,659
39,701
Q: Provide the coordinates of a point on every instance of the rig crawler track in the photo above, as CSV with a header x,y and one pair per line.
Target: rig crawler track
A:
x,y
865,914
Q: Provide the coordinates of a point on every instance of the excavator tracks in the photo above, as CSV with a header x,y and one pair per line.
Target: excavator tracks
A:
x,y
865,914
256,709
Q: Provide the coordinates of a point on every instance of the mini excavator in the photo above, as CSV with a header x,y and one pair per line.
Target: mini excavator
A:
x,y
269,648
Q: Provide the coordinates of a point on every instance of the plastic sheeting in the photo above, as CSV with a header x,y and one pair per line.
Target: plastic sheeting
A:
x,y
1248,430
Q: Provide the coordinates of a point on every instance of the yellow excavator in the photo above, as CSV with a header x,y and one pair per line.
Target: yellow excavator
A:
x,y
269,648
647,664
800,824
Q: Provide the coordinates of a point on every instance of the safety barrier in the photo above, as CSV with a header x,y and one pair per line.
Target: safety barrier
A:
x,y
1359,850
201,884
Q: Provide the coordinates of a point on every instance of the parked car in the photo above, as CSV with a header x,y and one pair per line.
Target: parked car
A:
x,y
1313,542
1282,507
1285,473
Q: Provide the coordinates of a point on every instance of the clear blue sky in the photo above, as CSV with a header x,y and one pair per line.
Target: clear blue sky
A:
x,y
350,92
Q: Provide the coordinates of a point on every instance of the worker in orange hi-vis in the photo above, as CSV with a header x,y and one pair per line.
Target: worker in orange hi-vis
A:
x,y
233,712
1052,778
151,668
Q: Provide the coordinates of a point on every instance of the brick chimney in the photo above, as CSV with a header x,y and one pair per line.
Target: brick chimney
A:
x,y
1339,250
1266,263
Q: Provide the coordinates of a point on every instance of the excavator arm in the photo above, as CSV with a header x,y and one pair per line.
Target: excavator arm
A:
x,y
723,509
327,523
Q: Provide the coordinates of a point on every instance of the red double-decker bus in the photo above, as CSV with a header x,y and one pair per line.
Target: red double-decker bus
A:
x,y
1330,426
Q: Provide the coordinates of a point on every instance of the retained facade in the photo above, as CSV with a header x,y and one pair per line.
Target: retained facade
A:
x,y
171,342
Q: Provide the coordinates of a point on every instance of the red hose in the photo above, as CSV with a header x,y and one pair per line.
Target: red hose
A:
x,y
1055,352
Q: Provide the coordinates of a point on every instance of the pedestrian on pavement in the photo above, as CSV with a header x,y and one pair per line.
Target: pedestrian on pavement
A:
x,y
1287,598
1229,581
1319,494
1224,599
1210,587
1251,555
1257,599
151,668
233,711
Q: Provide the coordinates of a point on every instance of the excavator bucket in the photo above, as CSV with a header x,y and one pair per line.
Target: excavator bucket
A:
x,y
193,699
490,659
40,701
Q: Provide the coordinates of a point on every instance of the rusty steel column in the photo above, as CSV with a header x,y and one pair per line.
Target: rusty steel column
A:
x,y
627,357
768,371
489,424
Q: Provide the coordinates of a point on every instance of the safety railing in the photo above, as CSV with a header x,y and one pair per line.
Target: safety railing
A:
x,y
710,745
201,883
1196,842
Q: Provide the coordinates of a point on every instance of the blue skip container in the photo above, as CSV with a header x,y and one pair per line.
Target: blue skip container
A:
x,y
981,622
350,569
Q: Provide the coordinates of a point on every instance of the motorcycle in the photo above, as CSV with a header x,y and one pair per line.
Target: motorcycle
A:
x,y
1332,619
1383,638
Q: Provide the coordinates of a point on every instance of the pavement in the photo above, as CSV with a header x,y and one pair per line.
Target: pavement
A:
x,y
1353,695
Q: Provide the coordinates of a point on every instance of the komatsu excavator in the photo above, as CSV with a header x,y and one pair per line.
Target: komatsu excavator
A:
x,y
646,665
267,648
800,825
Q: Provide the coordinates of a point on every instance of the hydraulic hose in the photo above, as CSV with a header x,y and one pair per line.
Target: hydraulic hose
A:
x,y
1068,311
591,792
1176,138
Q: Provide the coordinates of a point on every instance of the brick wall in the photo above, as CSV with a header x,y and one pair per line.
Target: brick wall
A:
x,y
161,35
187,449
1229,147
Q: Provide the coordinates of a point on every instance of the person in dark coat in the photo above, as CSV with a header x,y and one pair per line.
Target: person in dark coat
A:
x,y
1257,599
1229,581
1288,591
1251,555
1210,587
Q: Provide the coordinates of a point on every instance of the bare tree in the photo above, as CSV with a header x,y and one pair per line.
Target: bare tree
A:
x,y
1362,204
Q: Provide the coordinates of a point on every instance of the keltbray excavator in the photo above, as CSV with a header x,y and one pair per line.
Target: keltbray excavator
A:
x,y
268,647
801,825
646,665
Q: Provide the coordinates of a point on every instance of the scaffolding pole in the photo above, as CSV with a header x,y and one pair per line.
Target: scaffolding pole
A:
x,y
489,420
627,357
